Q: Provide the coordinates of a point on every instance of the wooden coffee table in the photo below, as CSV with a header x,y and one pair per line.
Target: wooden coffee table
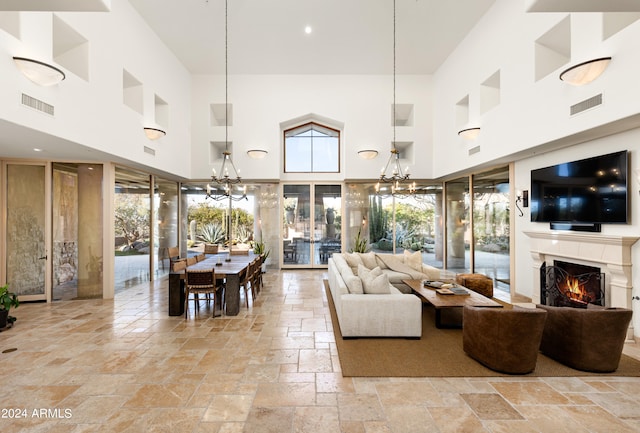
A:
x,y
441,302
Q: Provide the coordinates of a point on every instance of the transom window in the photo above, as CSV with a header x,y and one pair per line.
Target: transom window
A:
x,y
311,148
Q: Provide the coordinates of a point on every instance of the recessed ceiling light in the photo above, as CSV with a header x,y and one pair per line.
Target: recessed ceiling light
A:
x,y
308,30
35,149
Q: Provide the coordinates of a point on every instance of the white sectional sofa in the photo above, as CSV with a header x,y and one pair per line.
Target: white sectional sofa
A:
x,y
375,315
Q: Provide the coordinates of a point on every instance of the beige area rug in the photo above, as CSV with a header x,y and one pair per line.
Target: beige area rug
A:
x,y
437,354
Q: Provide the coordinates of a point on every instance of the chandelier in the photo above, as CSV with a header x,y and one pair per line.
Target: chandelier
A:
x,y
392,172
228,176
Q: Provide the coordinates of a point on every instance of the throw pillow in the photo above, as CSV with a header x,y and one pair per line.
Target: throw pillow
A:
x,y
413,260
368,260
374,281
353,260
354,284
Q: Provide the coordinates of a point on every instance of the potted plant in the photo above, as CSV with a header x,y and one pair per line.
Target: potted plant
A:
x,y
290,212
261,249
360,244
7,300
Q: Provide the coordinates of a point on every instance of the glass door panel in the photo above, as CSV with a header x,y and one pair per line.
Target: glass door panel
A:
x,y
166,222
458,225
311,231
491,226
327,236
296,225
26,239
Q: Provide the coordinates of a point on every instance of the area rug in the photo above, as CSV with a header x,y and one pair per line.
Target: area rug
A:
x,y
437,354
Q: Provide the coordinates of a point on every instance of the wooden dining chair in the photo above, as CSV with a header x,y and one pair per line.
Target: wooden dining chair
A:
x,y
200,257
191,261
245,283
199,281
256,275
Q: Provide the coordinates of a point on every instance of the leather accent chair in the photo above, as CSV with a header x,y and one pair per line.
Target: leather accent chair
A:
x,y
504,339
588,339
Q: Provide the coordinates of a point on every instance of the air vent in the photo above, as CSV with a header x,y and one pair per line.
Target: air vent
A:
x,y
586,104
474,150
37,104
149,150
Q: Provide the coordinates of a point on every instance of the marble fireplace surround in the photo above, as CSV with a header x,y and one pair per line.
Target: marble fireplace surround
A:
x,y
611,253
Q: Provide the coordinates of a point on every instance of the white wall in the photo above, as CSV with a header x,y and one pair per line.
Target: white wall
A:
x,y
92,112
361,103
530,112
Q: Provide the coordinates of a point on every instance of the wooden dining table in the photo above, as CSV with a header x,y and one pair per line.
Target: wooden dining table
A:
x,y
226,266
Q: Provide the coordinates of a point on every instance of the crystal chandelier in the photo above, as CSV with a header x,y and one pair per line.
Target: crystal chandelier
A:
x,y
228,176
397,176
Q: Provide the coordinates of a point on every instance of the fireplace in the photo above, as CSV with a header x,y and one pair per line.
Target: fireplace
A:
x,y
567,284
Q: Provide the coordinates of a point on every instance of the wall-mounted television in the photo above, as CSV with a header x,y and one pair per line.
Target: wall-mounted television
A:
x,y
588,191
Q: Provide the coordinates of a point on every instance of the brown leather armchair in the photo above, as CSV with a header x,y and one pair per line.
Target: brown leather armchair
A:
x,y
505,340
588,339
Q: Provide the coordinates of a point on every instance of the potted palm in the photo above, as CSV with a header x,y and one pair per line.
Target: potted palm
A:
x,y
7,300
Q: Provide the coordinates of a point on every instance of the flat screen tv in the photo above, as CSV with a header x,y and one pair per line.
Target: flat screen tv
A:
x,y
588,191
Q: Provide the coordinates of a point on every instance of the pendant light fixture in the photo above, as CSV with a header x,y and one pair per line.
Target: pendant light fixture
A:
x,y
228,176
392,172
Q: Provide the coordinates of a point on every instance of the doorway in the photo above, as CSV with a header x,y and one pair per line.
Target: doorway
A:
x,y
311,224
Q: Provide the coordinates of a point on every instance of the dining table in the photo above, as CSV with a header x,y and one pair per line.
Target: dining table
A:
x,y
226,266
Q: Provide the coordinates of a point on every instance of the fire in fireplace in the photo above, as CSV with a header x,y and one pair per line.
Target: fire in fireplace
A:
x,y
571,285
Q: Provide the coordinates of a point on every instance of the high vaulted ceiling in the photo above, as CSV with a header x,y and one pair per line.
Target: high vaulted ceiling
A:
x,y
347,37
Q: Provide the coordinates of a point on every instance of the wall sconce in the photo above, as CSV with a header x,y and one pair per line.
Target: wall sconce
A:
x,y
469,133
154,133
522,197
257,153
367,153
39,72
585,72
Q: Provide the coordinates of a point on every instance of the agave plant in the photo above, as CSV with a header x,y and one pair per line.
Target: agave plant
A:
x,y
360,244
212,233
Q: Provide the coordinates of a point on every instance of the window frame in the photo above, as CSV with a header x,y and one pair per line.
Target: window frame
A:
x,y
310,126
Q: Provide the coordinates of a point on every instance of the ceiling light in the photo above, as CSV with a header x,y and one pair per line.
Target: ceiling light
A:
x,y
35,149
308,30
367,153
39,72
397,176
469,133
228,177
585,72
154,133
257,153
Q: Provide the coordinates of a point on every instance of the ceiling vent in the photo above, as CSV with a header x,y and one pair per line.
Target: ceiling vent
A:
x,y
36,104
149,150
587,104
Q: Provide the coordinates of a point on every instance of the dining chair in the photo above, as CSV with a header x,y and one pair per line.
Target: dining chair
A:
x,y
191,261
245,283
200,257
199,281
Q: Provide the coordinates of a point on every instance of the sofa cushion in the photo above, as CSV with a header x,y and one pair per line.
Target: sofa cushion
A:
x,y
414,260
354,284
368,260
374,281
353,260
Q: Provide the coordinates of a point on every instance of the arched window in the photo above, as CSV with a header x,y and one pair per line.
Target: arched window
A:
x,y
311,148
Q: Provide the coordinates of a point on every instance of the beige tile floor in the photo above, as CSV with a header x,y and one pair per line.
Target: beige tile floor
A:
x,y
126,366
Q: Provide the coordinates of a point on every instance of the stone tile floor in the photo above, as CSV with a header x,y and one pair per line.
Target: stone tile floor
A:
x,y
125,366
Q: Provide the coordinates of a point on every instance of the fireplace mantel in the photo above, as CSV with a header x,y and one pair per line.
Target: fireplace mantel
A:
x,y
584,246
609,252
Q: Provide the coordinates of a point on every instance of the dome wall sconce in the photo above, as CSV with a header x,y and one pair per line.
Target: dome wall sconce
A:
x,y
585,72
154,133
367,153
469,133
39,72
257,153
